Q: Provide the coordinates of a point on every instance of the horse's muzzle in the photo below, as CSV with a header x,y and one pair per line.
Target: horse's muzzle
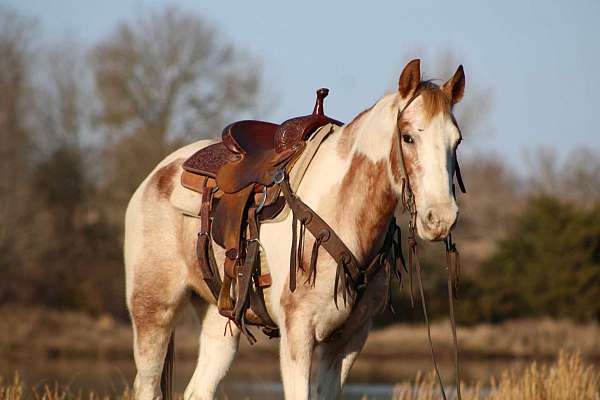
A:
x,y
437,221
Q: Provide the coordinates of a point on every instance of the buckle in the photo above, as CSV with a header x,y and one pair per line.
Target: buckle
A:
x,y
279,177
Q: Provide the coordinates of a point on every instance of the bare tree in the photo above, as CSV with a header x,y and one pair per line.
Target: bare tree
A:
x,y
64,97
16,59
573,177
166,77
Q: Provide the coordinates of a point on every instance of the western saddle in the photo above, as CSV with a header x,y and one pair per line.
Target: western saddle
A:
x,y
244,181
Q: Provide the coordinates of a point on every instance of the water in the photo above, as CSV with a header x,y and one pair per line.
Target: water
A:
x,y
248,378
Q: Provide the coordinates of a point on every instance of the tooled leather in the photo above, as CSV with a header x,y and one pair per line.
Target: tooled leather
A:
x,y
209,160
298,129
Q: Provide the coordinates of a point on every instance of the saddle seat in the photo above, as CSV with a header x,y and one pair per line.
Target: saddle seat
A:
x,y
249,136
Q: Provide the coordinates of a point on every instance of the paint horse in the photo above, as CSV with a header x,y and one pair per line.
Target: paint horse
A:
x,y
355,182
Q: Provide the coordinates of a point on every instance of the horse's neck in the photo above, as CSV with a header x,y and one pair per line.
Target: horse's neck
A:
x,y
350,183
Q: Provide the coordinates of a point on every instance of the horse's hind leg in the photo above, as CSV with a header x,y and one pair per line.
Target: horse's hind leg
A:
x,y
153,307
218,347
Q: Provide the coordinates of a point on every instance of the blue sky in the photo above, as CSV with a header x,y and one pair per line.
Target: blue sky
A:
x,y
538,60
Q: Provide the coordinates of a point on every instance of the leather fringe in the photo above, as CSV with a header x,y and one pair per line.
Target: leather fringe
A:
x,y
293,254
312,269
301,246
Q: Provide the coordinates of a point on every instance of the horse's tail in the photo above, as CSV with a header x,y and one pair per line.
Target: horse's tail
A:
x,y
166,378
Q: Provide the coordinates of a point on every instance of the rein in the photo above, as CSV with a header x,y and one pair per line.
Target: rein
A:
x,y
452,257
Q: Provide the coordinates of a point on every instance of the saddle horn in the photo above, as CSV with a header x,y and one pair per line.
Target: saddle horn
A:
x,y
321,94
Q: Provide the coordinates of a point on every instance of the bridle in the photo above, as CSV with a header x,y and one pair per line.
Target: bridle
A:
x,y
452,254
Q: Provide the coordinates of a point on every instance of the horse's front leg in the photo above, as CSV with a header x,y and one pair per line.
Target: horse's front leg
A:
x,y
335,359
337,355
296,349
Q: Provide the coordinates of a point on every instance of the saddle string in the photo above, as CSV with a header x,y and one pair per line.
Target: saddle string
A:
x,y
294,253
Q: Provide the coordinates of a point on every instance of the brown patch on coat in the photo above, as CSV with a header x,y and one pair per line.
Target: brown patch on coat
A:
x,y
372,215
350,133
396,160
163,179
355,173
147,314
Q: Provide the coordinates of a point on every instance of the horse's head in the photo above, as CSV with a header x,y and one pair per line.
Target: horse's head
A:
x,y
429,136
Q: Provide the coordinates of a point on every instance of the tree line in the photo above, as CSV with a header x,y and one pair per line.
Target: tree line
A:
x,y
81,126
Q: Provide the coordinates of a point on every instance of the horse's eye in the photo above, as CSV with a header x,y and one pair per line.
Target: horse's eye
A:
x,y
407,139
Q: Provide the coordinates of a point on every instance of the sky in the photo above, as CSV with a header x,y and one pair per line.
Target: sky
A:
x,y
536,62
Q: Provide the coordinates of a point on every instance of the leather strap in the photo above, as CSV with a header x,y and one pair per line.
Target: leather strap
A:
x,y
246,270
350,279
323,233
204,251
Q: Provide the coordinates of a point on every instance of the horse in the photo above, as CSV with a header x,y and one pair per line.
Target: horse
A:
x,y
355,182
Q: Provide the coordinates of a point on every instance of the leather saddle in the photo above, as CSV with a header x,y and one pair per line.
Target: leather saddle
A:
x,y
236,180
251,151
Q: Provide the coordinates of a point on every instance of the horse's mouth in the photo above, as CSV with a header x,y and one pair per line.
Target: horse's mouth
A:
x,y
433,233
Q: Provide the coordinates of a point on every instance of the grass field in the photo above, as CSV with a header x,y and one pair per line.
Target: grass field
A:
x,y
569,378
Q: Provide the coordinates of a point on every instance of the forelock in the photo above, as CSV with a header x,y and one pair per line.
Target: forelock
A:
x,y
434,100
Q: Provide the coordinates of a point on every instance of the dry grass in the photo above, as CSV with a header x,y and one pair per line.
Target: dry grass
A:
x,y
17,390
568,378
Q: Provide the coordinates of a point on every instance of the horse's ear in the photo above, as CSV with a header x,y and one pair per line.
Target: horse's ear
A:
x,y
410,78
455,87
